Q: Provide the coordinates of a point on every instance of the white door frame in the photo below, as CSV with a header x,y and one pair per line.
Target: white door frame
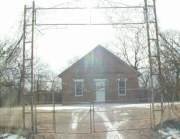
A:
x,y
100,95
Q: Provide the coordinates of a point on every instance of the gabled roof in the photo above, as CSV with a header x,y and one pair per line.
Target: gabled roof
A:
x,y
99,47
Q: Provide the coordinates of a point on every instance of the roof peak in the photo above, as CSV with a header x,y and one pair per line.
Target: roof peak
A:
x,y
99,48
99,45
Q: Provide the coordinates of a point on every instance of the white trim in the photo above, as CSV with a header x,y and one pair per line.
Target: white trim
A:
x,y
124,79
79,80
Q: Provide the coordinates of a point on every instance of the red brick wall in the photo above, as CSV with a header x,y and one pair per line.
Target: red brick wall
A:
x,y
99,64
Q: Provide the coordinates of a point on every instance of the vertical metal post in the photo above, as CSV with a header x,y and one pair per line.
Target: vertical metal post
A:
x,y
90,119
32,69
159,58
35,108
23,70
54,110
93,118
150,63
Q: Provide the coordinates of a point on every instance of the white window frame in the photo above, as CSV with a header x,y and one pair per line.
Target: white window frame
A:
x,y
82,81
120,79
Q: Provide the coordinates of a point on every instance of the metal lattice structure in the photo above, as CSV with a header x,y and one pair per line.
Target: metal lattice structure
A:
x,y
150,21
27,76
154,56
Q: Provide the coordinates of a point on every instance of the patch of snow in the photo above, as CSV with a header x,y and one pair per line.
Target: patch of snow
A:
x,y
132,106
60,108
75,118
87,107
170,133
122,114
10,136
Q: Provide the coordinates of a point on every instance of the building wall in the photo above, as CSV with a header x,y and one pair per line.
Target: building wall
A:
x,y
132,94
99,64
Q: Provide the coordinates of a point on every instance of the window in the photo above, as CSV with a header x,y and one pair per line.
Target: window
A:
x,y
122,87
79,85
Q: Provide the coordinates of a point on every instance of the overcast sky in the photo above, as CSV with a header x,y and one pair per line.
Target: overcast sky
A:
x,y
58,46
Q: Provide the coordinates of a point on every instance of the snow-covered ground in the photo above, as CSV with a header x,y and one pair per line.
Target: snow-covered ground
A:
x,y
10,136
169,133
61,107
86,107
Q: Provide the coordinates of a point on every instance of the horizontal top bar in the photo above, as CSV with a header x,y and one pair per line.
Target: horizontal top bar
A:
x,y
90,24
82,8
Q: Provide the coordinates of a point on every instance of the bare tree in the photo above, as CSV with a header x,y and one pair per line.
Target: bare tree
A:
x,y
132,48
170,50
9,61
